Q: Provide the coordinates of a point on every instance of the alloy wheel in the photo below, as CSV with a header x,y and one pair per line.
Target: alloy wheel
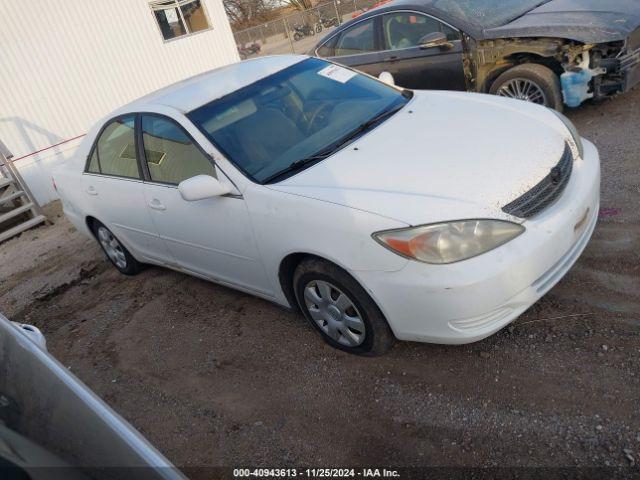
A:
x,y
335,313
523,89
112,247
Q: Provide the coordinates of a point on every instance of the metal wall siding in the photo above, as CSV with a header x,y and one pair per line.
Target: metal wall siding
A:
x,y
65,64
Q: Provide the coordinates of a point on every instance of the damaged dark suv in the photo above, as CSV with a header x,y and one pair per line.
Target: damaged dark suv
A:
x,y
550,52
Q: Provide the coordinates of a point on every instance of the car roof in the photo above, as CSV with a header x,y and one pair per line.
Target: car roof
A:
x,y
425,6
474,26
196,91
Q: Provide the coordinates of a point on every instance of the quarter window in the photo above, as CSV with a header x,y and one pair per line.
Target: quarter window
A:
x,y
115,150
328,48
176,18
171,155
357,39
405,29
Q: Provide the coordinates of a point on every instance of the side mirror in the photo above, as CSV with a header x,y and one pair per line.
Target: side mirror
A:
x,y
201,187
387,78
435,39
33,333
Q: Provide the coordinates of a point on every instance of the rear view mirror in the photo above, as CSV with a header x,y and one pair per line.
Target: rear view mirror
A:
x,y
435,39
387,78
201,187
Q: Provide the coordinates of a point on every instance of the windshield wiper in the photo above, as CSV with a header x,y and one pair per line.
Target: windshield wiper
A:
x,y
298,164
367,125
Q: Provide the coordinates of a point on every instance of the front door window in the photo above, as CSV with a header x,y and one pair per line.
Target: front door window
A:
x,y
405,29
170,153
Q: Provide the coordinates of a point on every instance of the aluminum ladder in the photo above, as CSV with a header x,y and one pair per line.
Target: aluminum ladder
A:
x,y
15,193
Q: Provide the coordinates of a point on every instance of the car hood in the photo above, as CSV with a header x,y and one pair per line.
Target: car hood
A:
x,y
587,21
445,155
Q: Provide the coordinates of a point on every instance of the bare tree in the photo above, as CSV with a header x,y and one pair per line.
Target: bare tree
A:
x,y
247,13
300,4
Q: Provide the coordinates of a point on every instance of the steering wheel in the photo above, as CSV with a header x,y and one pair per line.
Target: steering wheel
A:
x,y
320,113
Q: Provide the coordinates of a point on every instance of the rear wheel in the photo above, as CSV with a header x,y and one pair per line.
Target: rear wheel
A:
x,y
117,253
532,83
340,309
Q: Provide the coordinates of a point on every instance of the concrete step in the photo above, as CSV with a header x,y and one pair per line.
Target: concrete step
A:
x,y
5,182
22,227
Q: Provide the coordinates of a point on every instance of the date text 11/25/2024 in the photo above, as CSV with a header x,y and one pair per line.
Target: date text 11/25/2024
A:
x,y
315,473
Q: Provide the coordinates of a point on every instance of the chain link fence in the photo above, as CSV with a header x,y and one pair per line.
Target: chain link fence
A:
x,y
300,31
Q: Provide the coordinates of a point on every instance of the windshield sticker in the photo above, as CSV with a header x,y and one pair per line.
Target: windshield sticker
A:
x,y
337,73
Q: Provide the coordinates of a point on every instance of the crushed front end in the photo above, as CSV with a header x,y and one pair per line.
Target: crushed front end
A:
x,y
602,70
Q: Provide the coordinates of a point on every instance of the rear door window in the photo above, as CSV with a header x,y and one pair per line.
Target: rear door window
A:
x,y
115,151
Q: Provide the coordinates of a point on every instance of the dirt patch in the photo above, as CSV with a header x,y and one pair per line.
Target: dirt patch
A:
x,y
212,376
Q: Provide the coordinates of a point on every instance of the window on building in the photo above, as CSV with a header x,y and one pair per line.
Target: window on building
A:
x,y
179,17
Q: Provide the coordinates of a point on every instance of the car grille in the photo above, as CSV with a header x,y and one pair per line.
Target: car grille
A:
x,y
545,192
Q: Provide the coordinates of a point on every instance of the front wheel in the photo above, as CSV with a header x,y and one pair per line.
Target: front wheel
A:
x,y
117,253
532,83
340,309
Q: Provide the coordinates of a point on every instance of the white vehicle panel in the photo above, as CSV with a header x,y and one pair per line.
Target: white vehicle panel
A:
x,y
444,156
119,204
212,237
422,165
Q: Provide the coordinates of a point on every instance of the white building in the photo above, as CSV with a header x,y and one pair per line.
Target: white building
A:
x,y
65,64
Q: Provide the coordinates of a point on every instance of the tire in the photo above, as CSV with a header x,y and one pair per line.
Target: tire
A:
x,y
541,77
115,251
355,321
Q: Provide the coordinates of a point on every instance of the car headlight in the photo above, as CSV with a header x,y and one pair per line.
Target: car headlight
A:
x,y
573,131
449,242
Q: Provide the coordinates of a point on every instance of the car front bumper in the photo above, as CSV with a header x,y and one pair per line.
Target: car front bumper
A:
x,y
467,301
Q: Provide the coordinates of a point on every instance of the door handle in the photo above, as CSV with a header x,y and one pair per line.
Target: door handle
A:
x,y
91,190
392,58
157,204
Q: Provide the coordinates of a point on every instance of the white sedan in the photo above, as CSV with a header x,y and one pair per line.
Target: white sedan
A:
x,y
380,213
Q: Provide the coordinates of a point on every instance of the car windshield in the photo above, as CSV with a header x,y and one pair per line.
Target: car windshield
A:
x,y
487,13
295,117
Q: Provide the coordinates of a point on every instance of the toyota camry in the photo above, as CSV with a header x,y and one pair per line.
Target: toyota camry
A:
x,y
378,212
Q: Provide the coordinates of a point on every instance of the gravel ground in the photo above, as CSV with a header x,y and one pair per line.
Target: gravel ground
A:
x,y
215,377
